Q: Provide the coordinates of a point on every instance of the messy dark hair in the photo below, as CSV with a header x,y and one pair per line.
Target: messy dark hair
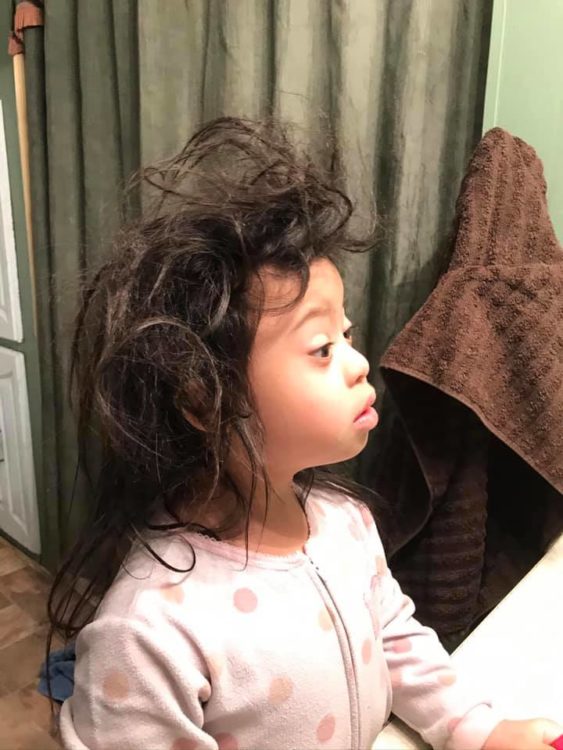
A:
x,y
164,334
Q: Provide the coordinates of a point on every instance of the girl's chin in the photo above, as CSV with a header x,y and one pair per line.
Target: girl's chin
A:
x,y
349,447
349,454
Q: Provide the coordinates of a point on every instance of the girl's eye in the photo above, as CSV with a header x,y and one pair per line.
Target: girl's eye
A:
x,y
323,352
348,335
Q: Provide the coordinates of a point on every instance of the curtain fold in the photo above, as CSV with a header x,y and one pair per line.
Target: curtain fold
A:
x,y
82,97
399,83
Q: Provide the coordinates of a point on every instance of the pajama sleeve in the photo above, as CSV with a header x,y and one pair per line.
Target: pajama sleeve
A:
x,y
136,686
429,695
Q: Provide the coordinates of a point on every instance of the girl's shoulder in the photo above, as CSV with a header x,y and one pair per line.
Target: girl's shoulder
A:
x,y
150,578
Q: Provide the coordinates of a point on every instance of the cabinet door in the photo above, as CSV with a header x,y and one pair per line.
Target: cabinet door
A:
x,y
524,92
18,501
10,315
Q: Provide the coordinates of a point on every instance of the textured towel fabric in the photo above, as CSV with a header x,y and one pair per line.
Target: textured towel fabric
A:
x,y
480,362
61,673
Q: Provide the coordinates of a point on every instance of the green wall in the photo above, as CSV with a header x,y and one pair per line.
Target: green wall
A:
x,y
525,85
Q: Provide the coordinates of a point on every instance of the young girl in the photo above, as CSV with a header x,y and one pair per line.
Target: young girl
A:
x,y
245,598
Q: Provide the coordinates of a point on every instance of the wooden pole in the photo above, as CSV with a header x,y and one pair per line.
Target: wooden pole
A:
x,y
21,110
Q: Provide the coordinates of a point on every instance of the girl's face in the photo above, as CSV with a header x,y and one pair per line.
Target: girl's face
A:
x,y
309,382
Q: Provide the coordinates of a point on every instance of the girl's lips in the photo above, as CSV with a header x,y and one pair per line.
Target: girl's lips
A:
x,y
370,401
367,419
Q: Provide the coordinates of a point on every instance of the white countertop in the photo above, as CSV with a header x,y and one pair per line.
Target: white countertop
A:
x,y
515,653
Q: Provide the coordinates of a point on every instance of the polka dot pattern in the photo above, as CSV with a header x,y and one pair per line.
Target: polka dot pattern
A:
x,y
245,600
366,651
227,742
402,646
447,679
355,531
182,743
172,593
326,728
116,686
452,724
325,620
380,565
281,689
367,517
215,664
396,679
376,625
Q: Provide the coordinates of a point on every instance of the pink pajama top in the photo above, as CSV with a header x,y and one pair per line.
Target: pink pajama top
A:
x,y
311,650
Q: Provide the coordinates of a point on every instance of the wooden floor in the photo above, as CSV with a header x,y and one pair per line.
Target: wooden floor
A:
x,y
25,716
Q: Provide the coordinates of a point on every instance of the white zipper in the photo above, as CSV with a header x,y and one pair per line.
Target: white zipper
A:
x,y
353,689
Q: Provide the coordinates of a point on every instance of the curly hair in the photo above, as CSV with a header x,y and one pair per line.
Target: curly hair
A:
x,y
164,334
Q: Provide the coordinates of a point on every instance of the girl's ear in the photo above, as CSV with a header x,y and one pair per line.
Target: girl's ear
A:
x,y
193,420
193,402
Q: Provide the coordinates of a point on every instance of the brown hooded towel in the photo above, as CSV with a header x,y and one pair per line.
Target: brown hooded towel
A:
x,y
481,363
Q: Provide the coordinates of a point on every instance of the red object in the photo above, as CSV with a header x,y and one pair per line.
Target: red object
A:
x,y
558,743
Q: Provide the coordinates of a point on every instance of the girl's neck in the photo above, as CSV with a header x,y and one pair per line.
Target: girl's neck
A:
x,y
279,529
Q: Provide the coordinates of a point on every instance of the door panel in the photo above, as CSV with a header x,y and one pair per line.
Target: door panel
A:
x,y
18,501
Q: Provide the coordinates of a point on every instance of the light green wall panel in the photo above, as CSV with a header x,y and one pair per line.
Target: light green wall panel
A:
x,y
525,84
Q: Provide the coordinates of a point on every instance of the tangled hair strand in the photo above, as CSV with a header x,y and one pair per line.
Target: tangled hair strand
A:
x,y
163,336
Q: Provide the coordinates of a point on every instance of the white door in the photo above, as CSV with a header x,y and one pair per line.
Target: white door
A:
x,y
18,498
18,503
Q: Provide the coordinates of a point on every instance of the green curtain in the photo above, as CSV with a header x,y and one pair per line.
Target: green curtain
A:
x,y
399,82
83,111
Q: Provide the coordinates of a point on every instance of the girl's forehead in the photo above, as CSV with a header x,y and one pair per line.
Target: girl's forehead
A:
x,y
280,289
324,291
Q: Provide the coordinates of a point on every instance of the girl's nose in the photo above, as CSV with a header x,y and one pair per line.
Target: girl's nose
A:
x,y
358,366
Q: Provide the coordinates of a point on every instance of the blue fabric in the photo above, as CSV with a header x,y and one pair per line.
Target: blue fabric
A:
x,y
61,672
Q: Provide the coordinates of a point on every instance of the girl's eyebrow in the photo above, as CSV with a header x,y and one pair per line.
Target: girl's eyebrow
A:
x,y
313,312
